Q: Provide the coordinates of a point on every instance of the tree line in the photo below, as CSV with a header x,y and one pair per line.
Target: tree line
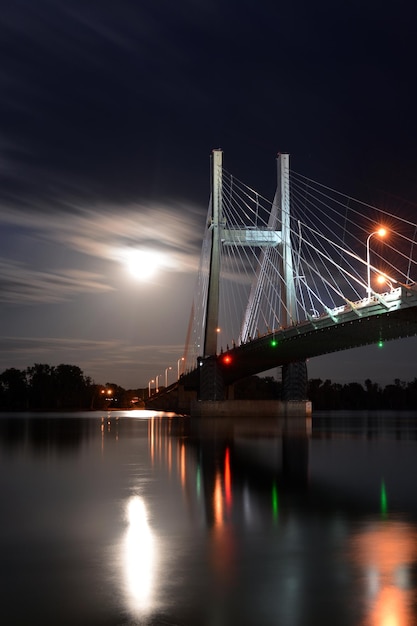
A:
x,y
328,395
399,395
43,387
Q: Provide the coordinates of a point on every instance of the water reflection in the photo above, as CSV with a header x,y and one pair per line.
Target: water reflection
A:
x,y
166,520
386,554
44,435
223,540
226,462
140,557
250,478
366,424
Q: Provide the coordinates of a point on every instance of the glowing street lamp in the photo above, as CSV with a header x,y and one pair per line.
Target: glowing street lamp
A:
x,y
149,387
381,232
157,382
178,366
166,375
384,280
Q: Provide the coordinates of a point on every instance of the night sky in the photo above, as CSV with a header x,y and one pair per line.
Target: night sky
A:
x,y
108,115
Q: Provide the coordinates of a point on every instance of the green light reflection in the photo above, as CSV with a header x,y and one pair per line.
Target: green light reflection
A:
x,y
383,500
274,501
198,480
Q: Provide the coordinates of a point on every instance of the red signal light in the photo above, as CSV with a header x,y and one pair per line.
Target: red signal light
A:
x,y
227,359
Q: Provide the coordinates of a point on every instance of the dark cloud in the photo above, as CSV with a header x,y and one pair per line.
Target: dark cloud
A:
x,y
105,100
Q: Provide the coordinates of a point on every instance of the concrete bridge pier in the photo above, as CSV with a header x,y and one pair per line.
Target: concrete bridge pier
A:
x,y
294,381
215,399
211,384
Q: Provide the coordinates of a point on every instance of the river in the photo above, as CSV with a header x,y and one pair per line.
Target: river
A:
x,y
144,518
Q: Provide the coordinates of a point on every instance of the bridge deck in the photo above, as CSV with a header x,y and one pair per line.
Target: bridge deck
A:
x,y
380,318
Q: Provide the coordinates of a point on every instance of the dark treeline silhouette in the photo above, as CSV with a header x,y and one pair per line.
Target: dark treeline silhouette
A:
x,y
257,388
43,387
326,395
399,395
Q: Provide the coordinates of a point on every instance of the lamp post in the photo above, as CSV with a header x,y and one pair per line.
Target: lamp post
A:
x,y
178,366
166,375
157,382
149,387
381,232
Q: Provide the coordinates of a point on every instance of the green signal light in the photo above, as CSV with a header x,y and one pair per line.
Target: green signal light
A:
x,y
380,344
274,501
274,343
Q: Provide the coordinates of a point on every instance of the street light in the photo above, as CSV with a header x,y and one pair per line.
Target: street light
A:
x,y
149,387
381,232
166,375
382,279
157,382
178,366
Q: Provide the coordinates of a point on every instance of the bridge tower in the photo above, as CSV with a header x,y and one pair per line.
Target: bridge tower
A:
x,y
211,380
212,312
282,204
294,375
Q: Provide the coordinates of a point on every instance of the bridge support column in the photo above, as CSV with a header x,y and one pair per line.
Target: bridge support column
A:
x,y
211,380
294,381
230,392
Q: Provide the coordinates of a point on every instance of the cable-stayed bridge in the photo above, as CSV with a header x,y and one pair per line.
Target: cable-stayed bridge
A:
x,y
310,272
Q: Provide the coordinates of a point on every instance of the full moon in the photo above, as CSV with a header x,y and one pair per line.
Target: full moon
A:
x,y
143,264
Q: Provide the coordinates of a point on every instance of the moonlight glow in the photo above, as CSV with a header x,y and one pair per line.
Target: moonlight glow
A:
x,y
143,264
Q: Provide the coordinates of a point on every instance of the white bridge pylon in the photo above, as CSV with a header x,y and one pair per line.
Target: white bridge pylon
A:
x,y
276,235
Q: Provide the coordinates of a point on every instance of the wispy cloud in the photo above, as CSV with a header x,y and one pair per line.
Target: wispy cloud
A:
x,y
82,243
19,284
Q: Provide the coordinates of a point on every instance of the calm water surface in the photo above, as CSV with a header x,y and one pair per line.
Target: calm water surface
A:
x,y
128,518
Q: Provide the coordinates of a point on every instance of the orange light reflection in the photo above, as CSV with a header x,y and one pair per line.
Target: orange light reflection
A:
x,y
218,500
385,554
182,464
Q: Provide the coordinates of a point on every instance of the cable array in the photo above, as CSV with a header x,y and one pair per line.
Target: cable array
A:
x,y
332,238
